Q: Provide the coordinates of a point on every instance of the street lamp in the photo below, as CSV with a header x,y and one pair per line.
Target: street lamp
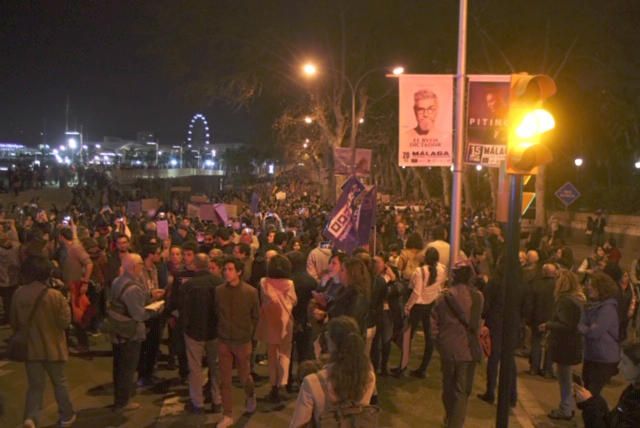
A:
x,y
73,143
310,70
578,162
637,164
308,120
478,168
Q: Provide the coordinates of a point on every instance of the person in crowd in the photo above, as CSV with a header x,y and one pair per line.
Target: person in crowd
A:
x,y
150,254
626,413
539,309
347,377
129,297
391,311
600,327
599,227
275,325
114,261
410,256
613,252
627,304
9,268
175,296
43,313
427,282
493,313
76,263
238,309
596,261
200,332
318,261
243,253
564,342
455,327
354,297
304,285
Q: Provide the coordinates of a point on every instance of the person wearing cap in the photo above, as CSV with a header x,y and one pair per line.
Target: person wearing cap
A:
x,y
455,327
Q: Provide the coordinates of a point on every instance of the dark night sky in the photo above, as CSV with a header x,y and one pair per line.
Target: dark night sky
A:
x,y
94,53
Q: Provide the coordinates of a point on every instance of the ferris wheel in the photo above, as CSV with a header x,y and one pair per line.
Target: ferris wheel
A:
x,y
198,134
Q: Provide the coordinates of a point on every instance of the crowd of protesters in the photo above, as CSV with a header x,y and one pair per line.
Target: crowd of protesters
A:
x,y
268,281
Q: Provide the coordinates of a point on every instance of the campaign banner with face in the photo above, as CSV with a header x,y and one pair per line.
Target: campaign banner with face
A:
x,y
426,120
342,161
487,127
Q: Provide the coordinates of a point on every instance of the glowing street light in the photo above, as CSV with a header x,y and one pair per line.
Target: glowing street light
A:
x,y
305,145
308,120
637,164
73,143
361,120
309,69
397,71
478,168
578,162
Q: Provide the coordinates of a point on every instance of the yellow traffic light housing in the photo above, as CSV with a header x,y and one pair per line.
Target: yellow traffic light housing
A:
x,y
528,122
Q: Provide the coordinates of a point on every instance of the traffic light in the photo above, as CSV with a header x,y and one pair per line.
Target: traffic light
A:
x,y
528,122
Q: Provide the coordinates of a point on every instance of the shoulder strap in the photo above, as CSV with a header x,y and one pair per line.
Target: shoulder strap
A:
x,y
457,313
35,306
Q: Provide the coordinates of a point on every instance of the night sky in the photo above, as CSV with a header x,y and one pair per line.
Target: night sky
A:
x,y
94,53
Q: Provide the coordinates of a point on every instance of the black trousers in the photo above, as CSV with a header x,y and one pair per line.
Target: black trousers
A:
x,y
125,359
421,315
7,295
150,347
596,375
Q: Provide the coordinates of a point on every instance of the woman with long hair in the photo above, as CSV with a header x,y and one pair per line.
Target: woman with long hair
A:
x,y
348,376
628,301
426,283
353,299
564,343
384,331
275,325
600,327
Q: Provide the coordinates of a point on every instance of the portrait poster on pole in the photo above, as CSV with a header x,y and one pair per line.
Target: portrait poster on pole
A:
x,y
426,120
487,127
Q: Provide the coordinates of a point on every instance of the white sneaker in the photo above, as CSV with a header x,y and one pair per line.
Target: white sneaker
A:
x,y
225,422
251,404
28,423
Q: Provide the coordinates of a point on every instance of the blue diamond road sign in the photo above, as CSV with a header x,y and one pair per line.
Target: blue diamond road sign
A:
x,y
567,193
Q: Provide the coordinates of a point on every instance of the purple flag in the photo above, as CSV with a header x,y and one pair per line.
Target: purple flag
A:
x,y
366,216
343,222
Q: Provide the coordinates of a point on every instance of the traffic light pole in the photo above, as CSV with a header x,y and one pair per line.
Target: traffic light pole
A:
x,y
510,291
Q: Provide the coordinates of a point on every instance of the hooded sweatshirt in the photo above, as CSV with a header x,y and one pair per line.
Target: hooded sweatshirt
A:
x,y
600,325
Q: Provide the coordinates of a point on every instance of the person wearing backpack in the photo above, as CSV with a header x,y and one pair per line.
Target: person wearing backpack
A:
x,y
127,314
426,282
43,315
455,327
338,395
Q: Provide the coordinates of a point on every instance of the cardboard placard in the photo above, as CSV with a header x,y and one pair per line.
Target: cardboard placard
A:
x,y
199,199
150,204
208,212
134,207
221,210
193,210
162,227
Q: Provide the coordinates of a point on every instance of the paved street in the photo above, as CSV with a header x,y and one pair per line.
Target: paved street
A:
x,y
405,402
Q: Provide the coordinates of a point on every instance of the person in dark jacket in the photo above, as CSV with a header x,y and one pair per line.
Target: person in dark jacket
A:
x,y
600,327
199,323
304,284
626,413
564,343
493,314
353,299
538,311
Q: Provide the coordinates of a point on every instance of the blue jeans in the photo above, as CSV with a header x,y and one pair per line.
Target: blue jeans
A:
x,y
567,401
35,377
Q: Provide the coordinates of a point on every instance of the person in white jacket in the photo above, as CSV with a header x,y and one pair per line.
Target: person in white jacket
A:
x,y
427,282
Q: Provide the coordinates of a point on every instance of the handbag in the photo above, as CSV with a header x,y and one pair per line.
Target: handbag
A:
x,y
17,348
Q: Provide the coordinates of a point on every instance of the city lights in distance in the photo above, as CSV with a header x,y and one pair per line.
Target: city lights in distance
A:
x,y
578,162
98,146
173,162
208,163
73,143
308,120
271,168
361,120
